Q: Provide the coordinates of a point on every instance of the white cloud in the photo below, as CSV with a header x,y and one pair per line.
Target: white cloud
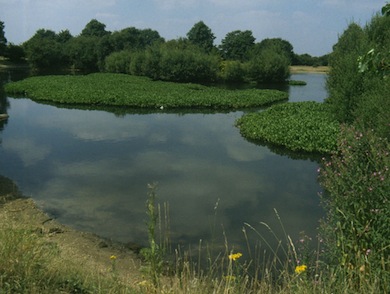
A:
x,y
30,152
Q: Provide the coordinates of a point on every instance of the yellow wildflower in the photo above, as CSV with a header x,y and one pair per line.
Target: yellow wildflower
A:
x,y
112,257
235,256
300,268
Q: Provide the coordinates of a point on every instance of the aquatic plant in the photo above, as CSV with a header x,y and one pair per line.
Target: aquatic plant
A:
x,y
305,126
138,92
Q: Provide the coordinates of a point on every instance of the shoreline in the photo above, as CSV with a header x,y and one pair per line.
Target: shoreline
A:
x,y
87,251
297,69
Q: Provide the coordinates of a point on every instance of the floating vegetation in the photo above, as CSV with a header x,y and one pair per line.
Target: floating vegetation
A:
x,y
138,92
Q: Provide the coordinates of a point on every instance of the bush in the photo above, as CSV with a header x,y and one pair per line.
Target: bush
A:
x,y
269,67
357,184
232,71
344,84
118,62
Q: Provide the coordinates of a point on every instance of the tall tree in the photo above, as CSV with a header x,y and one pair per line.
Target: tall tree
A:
x,y
200,34
43,51
94,29
3,40
237,44
64,36
277,45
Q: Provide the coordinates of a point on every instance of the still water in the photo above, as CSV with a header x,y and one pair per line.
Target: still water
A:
x,y
90,169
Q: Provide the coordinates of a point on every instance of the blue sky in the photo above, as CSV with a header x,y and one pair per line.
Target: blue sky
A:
x,y
311,26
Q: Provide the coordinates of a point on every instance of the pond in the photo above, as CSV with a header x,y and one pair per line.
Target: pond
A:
x,y
90,169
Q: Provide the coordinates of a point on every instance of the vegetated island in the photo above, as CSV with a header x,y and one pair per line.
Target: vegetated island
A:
x,y
139,92
299,126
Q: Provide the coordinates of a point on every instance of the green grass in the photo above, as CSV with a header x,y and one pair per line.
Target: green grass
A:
x,y
138,92
300,126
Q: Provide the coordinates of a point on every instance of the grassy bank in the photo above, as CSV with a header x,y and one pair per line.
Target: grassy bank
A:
x,y
39,255
138,92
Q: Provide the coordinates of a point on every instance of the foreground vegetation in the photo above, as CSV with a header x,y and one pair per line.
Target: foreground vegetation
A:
x,y
138,92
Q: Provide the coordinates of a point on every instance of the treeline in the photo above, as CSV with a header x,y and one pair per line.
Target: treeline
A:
x,y
144,52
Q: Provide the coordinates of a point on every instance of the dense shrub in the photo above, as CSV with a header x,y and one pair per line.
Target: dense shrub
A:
x,y
344,84
357,228
269,67
358,82
118,62
168,62
232,71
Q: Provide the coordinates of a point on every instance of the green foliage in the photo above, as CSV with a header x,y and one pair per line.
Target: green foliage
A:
x,y
377,59
236,45
43,51
306,126
357,228
232,71
344,84
3,40
358,82
118,62
386,9
82,52
278,45
94,29
133,39
187,65
307,59
154,254
139,92
15,53
269,67
201,35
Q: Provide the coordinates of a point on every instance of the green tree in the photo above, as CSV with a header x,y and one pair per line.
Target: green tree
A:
x,y
118,62
201,35
236,45
269,67
64,36
94,29
82,52
15,53
3,40
343,83
43,51
278,45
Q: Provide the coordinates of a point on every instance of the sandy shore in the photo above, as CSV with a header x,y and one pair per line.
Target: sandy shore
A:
x,y
309,69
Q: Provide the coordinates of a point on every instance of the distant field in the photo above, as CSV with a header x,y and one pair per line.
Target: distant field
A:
x,y
309,69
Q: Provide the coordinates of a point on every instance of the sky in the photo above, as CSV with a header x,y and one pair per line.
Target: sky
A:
x,y
311,26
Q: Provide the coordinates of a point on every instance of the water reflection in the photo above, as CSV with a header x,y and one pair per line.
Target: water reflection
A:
x,y
90,169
